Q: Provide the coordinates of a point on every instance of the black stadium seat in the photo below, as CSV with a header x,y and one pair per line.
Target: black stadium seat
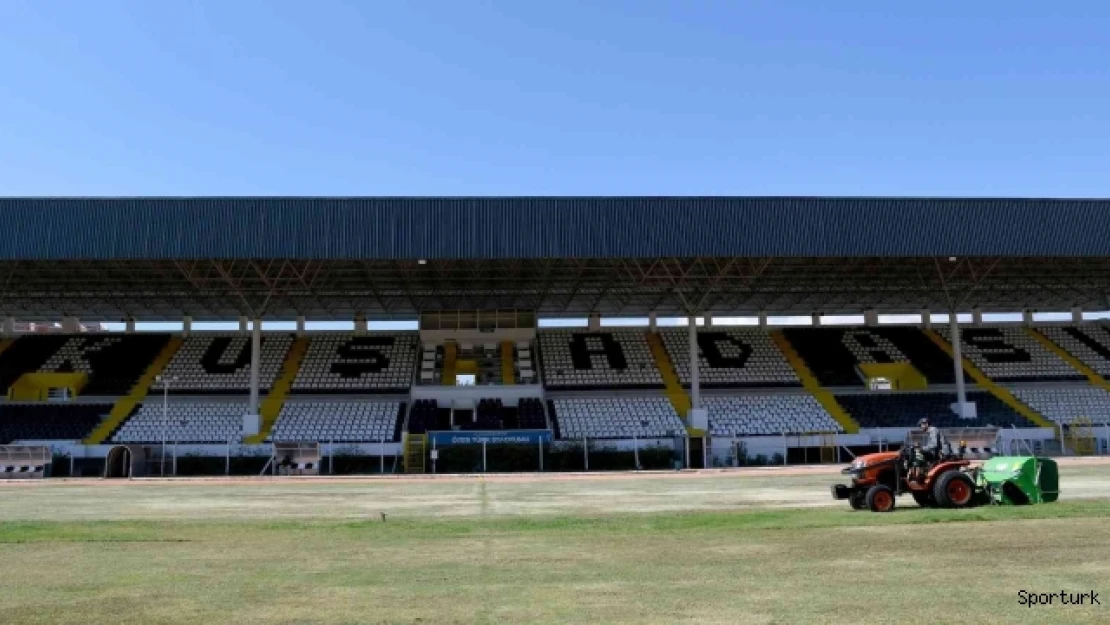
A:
x,y
583,360
1011,355
358,363
211,364
833,354
875,410
730,358
49,421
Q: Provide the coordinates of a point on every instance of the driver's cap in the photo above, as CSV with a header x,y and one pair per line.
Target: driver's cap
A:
x,y
923,421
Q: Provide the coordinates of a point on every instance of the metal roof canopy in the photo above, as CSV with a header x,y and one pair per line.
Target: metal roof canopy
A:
x,y
114,290
505,228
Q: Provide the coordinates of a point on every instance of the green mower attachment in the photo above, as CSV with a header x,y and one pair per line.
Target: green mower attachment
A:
x,y
1020,480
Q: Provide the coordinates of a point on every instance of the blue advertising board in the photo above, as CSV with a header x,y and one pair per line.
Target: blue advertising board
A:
x,y
495,437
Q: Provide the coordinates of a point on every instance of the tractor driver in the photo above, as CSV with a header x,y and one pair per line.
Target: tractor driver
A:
x,y
933,443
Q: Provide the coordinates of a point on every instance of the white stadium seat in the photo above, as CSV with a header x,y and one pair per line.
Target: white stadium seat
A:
x,y
755,415
1068,405
1010,354
617,418
730,357
215,363
366,363
610,359
1088,343
186,422
344,422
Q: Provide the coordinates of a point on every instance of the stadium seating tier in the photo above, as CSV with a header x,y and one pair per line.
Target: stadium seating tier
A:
x,y
765,414
1010,355
221,363
350,363
730,358
597,360
339,422
881,409
49,421
644,417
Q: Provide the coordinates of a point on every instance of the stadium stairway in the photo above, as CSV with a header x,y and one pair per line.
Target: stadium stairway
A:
x,y
988,384
450,356
507,365
415,447
679,399
810,383
125,406
271,406
1092,376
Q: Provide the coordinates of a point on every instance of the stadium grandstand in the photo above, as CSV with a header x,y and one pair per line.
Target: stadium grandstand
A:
x,y
721,328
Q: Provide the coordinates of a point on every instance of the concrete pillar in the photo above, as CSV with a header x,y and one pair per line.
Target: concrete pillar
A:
x,y
71,325
300,326
957,363
256,350
976,316
695,382
816,318
9,326
762,317
129,326
707,320
1027,317
593,323
360,324
1077,315
186,326
871,317
653,322
243,324
926,318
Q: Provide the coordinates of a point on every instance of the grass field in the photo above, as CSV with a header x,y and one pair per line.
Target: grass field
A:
x,y
748,547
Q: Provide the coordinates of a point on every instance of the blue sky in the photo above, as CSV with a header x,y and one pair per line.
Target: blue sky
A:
x,y
561,97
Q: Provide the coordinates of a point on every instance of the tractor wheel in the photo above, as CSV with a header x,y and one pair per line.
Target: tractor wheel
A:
x,y
954,490
857,501
880,498
923,499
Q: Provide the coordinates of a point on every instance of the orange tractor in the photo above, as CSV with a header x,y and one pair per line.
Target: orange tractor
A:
x,y
949,482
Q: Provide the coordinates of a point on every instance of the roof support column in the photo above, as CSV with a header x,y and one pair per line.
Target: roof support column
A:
x,y
871,317
653,322
1027,317
360,324
186,326
71,325
815,318
256,350
926,319
957,363
129,325
762,318
243,325
593,322
300,326
1077,315
695,381
9,326
976,316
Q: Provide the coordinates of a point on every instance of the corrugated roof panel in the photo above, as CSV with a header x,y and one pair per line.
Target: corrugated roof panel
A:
x,y
539,227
